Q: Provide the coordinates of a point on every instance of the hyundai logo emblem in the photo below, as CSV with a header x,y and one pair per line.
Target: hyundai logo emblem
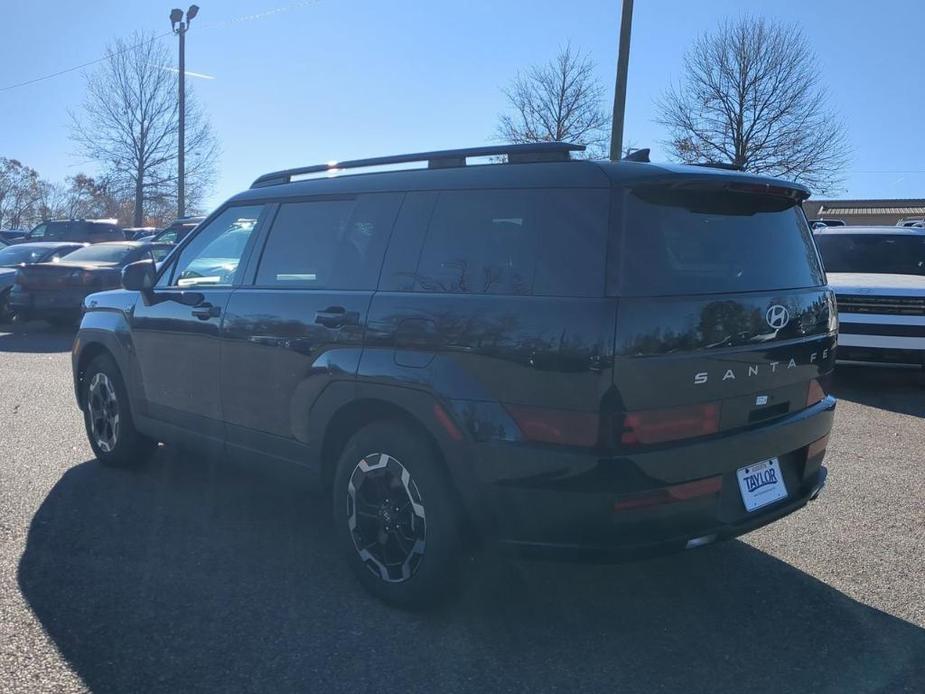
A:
x,y
777,316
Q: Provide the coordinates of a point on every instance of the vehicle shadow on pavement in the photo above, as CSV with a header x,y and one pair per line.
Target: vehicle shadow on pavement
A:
x,y
900,390
195,575
35,338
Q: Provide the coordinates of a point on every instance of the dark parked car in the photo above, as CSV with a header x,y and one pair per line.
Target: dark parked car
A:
x,y
8,236
77,230
55,291
178,230
565,356
139,233
12,258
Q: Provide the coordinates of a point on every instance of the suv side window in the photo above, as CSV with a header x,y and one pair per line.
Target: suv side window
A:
x,y
58,231
214,256
549,242
328,244
38,232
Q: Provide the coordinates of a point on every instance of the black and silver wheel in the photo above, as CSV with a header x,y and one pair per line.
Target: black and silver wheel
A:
x,y
108,417
396,515
103,412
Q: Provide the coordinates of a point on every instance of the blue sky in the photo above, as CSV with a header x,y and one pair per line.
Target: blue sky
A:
x,y
337,79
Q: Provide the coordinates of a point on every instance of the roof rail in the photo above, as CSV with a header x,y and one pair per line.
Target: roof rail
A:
x,y
441,159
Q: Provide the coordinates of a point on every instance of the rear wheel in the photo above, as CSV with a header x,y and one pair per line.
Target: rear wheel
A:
x,y
395,516
108,417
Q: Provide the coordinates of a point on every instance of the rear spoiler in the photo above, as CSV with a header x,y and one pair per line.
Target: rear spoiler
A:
x,y
734,183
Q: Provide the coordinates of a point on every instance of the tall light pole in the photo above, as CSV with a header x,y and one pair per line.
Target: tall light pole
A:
x,y
619,94
180,28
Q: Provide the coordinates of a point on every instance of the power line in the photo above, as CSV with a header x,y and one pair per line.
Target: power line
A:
x,y
80,67
227,22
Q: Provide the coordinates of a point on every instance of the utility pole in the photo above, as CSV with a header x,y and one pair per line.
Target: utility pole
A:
x,y
180,28
619,95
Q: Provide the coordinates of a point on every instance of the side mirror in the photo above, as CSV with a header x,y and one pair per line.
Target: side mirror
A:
x,y
139,276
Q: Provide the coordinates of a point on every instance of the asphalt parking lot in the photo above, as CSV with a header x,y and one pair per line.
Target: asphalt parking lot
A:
x,y
193,575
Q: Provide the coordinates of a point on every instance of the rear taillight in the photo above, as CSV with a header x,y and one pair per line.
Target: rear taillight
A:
x,y
816,393
564,427
656,426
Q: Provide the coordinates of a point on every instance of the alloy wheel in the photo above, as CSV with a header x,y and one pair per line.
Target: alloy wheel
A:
x,y
386,518
104,412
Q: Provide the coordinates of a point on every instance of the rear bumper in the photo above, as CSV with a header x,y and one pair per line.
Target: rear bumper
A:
x,y
650,544
562,503
38,303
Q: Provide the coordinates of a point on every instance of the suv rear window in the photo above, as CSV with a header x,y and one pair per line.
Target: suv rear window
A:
x,y
898,254
713,242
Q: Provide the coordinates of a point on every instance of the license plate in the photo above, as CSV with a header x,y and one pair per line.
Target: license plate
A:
x,y
761,484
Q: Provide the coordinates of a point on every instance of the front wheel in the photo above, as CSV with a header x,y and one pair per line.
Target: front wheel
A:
x,y
108,417
396,516
6,315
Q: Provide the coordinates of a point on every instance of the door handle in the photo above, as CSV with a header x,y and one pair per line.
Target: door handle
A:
x,y
336,317
206,311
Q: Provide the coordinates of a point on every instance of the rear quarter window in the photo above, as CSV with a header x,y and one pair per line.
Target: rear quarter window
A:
x,y
682,242
546,242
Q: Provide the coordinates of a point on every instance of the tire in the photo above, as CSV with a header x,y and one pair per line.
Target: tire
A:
x,y
108,417
6,315
408,552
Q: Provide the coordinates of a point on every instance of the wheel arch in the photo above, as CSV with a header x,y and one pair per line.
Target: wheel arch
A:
x,y
419,412
84,359
92,343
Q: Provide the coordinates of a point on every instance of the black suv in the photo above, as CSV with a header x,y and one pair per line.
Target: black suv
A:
x,y
566,356
75,230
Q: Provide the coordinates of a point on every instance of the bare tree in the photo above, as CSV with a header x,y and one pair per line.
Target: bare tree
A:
x,y
751,96
129,125
559,101
20,193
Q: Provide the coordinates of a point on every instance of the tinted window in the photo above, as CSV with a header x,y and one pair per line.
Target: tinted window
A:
x,y
708,242
547,242
51,231
328,244
101,253
901,254
213,257
38,232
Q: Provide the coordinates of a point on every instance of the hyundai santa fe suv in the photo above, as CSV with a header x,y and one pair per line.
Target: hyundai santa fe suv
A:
x,y
565,356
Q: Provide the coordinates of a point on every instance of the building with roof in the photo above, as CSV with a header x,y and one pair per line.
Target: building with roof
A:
x,y
866,212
